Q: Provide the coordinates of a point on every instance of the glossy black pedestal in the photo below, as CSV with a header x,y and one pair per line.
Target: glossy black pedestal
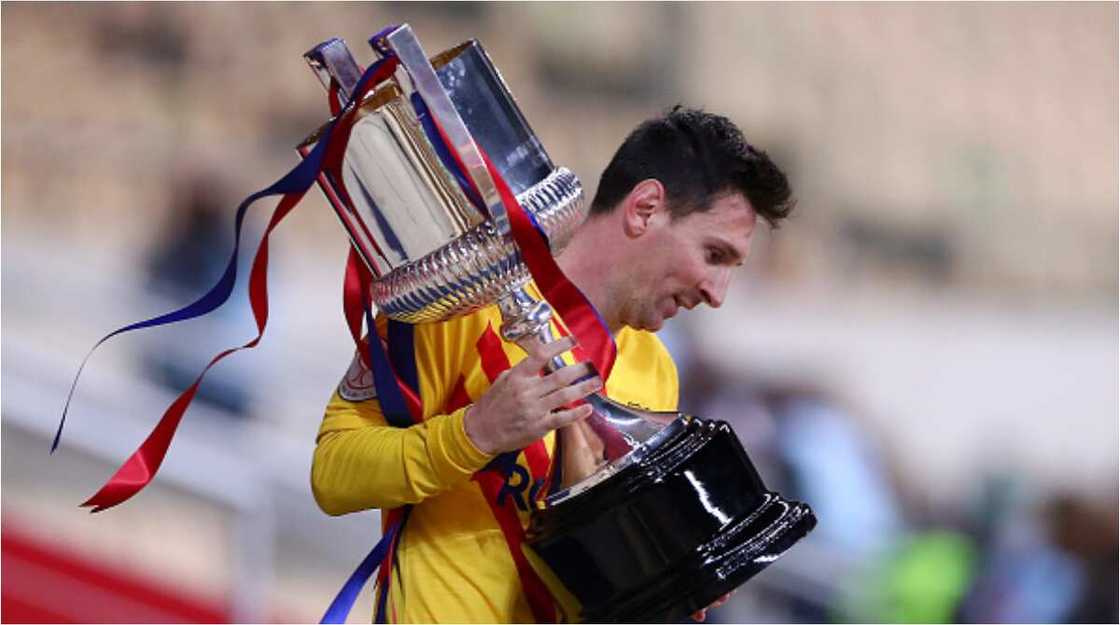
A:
x,y
667,535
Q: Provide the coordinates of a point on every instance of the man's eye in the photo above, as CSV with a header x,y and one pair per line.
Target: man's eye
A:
x,y
714,256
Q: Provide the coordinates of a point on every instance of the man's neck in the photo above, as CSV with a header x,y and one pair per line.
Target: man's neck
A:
x,y
588,260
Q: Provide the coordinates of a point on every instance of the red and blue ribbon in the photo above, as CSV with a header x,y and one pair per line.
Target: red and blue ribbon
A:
x,y
140,468
344,600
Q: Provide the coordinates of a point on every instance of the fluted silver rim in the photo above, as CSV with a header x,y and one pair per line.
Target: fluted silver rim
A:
x,y
476,269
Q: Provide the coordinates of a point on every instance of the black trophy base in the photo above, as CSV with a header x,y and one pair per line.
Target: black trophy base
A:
x,y
669,534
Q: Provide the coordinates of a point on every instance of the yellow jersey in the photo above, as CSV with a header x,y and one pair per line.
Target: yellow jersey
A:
x,y
453,561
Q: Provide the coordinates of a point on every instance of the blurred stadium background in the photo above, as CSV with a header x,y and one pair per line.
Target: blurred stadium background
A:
x,y
927,352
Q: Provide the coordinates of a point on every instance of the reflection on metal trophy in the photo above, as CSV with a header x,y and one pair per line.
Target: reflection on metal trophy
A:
x,y
671,513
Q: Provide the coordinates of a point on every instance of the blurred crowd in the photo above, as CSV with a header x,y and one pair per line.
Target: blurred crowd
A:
x,y
1006,552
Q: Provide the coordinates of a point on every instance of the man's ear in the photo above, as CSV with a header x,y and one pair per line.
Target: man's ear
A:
x,y
643,206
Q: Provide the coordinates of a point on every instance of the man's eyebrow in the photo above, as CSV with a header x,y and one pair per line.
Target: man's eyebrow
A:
x,y
728,248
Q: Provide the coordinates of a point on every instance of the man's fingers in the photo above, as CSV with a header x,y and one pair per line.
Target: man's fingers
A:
x,y
569,394
565,376
560,418
541,354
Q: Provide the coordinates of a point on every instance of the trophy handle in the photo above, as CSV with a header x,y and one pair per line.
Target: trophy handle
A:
x,y
612,431
407,47
331,60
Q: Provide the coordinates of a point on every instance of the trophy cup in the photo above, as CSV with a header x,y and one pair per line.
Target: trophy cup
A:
x,y
671,514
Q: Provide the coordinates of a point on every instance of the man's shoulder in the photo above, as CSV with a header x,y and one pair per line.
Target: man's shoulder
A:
x,y
430,342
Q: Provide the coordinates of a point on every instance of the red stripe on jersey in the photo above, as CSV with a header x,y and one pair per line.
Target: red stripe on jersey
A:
x,y
494,362
536,593
494,359
459,396
537,457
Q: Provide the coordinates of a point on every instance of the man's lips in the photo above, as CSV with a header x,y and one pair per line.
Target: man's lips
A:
x,y
683,302
674,305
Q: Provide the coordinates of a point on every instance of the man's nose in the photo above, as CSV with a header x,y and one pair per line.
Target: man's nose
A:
x,y
714,289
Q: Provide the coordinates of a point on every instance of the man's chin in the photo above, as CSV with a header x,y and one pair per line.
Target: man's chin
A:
x,y
654,324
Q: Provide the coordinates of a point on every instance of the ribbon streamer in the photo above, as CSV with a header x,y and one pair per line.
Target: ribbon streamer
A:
x,y
399,394
139,469
142,466
344,600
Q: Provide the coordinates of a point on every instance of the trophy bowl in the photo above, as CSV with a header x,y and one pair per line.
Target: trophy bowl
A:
x,y
674,515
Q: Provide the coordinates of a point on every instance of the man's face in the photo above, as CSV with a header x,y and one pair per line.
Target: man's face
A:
x,y
687,262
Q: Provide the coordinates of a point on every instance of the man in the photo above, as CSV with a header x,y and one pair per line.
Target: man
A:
x,y
672,218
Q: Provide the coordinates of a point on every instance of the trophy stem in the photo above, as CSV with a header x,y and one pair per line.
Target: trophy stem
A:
x,y
612,430
579,452
524,317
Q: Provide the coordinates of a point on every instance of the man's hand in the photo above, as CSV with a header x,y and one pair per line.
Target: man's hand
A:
x,y
522,405
703,614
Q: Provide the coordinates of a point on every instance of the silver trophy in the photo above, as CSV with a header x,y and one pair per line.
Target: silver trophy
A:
x,y
610,535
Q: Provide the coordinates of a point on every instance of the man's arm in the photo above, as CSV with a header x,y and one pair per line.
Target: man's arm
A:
x,y
361,462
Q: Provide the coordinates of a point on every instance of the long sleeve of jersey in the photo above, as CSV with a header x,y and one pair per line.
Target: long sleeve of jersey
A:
x,y
361,462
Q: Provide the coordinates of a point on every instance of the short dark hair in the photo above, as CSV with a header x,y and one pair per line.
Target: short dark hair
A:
x,y
696,156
